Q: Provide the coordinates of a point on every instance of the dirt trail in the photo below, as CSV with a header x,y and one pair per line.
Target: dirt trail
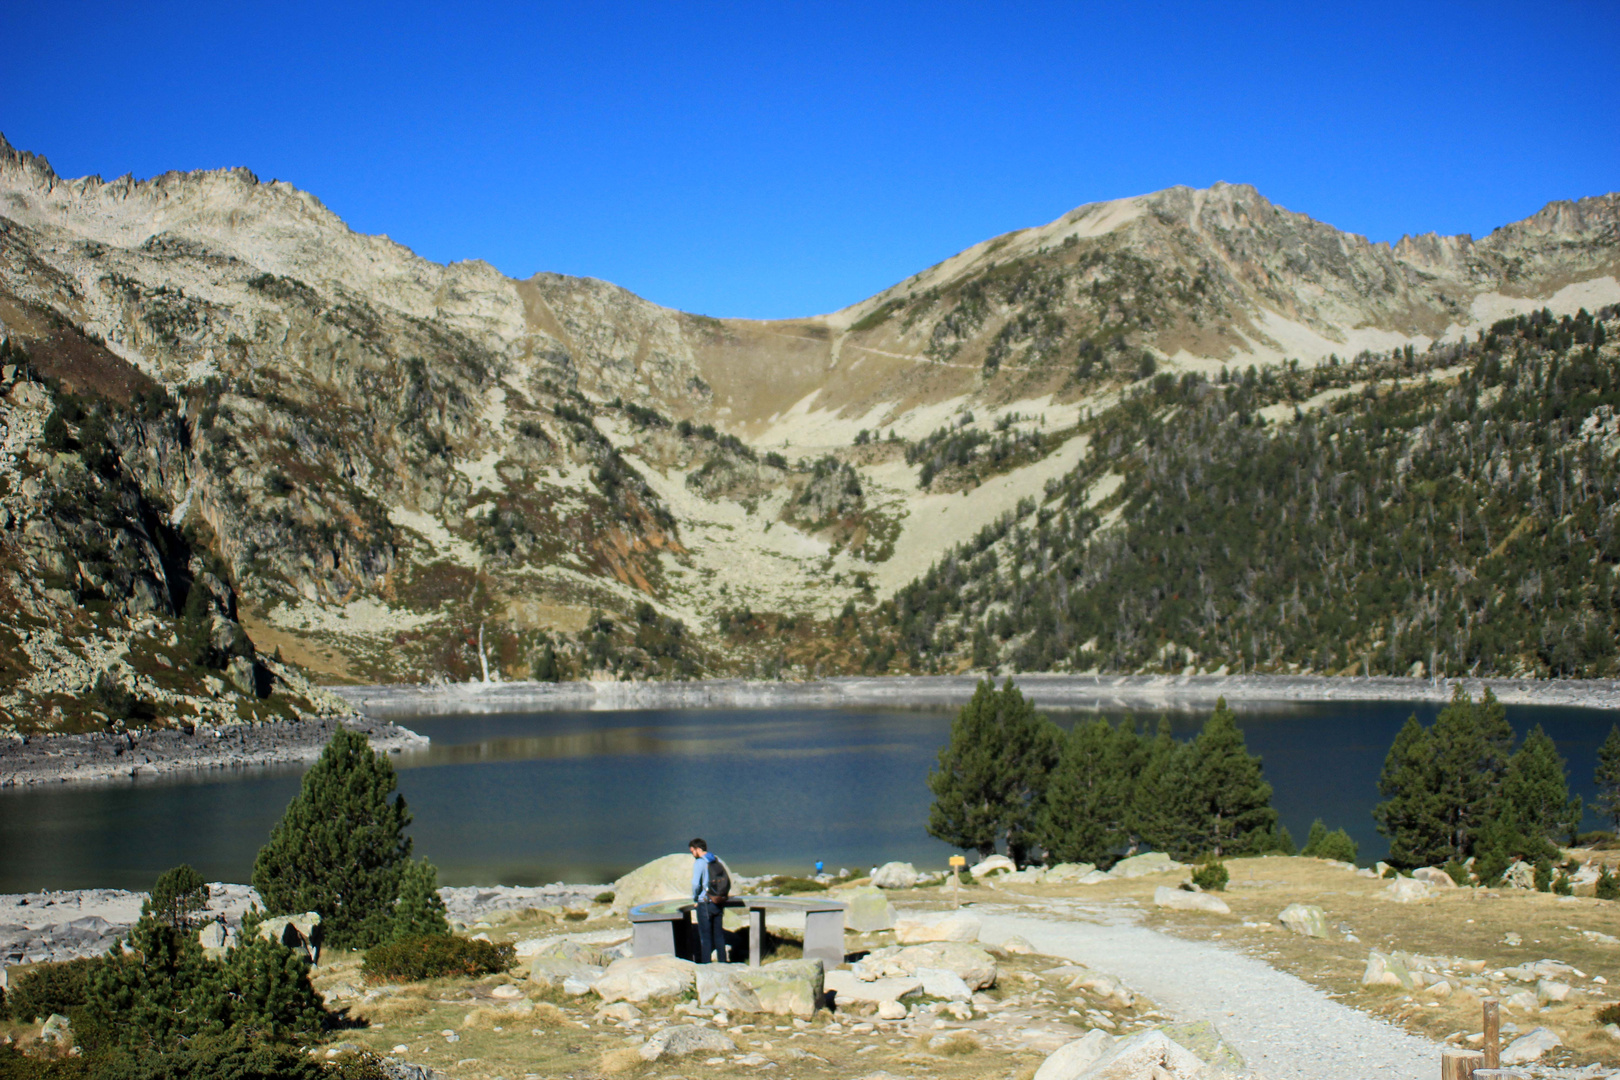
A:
x,y
1285,1028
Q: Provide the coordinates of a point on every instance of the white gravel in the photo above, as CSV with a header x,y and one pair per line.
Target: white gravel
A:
x,y
1285,1028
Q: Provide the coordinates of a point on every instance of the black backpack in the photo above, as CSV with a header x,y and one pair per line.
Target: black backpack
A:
x,y
719,881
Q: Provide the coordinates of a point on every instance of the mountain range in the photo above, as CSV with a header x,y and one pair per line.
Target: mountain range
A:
x,y
386,469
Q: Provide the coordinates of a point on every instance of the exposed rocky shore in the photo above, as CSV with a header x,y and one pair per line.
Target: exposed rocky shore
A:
x,y
41,759
1050,691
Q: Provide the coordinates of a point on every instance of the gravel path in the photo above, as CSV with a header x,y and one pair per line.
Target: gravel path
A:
x,y
1285,1028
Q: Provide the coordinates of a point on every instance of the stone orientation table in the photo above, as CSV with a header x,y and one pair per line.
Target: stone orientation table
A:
x,y
655,926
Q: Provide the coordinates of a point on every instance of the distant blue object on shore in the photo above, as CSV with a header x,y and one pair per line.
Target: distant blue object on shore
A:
x,y
818,867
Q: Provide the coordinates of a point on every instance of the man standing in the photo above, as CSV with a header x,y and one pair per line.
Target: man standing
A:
x,y
711,886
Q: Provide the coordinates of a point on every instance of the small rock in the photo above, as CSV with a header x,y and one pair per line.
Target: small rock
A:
x,y
1512,938
1521,875
891,1010
1018,946
1552,990
1530,1046
1385,970
1522,1001
506,992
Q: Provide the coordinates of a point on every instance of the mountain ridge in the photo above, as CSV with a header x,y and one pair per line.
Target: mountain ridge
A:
x,y
381,454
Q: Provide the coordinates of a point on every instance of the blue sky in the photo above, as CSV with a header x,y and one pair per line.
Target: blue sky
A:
x,y
771,160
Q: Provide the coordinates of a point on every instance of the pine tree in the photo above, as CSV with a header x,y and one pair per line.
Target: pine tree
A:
x,y
177,898
1410,814
1164,810
1234,814
421,911
1535,794
992,772
164,991
1607,777
268,987
341,847
1470,744
1085,816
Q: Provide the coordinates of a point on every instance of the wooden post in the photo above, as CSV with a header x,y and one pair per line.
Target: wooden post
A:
x,y
1493,1034
1458,1064
957,862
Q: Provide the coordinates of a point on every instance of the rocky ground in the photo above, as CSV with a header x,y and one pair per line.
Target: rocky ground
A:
x,y
1090,962
44,759
1065,691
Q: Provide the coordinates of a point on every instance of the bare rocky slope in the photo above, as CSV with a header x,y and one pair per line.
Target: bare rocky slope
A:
x,y
383,469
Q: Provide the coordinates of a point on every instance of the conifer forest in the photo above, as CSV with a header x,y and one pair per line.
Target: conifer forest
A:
x,y
1444,513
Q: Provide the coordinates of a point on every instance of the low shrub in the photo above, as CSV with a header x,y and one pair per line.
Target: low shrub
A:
x,y
50,988
604,897
1458,872
784,884
1336,845
1609,1014
1211,876
1608,885
434,956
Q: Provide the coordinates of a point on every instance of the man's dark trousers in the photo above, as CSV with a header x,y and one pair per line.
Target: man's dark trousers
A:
x,y
711,932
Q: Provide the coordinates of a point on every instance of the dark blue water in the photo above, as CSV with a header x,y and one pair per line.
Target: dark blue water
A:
x,y
528,799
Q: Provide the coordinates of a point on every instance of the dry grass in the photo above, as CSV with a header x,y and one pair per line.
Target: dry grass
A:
x,y
622,1061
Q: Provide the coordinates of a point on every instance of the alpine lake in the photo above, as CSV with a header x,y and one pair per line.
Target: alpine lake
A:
x,y
532,798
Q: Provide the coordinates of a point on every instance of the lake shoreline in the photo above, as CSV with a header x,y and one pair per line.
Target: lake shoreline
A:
x,y
1151,692
111,758
28,760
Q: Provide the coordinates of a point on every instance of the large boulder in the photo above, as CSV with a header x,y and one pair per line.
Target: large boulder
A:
x,y
1204,1039
668,878
683,1039
295,932
1070,1060
1306,919
1530,1046
1182,900
971,964
995,864
895,875
869,909
643,978
1149,862
937,926
1407,890
943,984
849,987
1147,1054
719,987
1521,875
1433,875
1067,873
786,987
560,961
